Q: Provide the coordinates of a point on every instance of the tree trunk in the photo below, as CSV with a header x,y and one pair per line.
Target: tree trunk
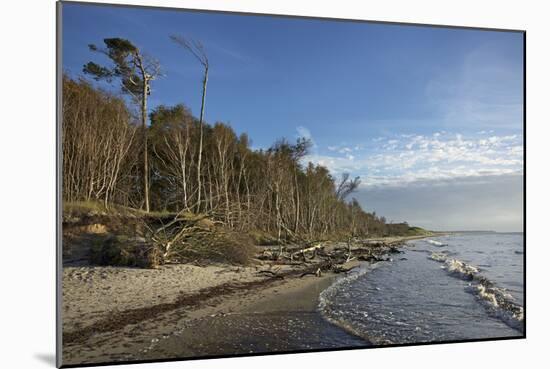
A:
x,y
297,214
204,82
145,151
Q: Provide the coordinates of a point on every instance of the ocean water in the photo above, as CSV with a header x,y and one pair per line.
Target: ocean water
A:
x,y
456,287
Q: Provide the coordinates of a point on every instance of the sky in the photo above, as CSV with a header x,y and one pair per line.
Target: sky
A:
x,y
430,118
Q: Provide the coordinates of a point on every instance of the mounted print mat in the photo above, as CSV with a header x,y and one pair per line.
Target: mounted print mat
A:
x,y
239,184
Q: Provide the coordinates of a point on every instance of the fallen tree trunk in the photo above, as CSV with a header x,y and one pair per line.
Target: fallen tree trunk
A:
x,y
304,251
272,274
316,273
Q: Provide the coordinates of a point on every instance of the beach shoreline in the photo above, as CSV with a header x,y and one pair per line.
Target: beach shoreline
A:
x,y
184,310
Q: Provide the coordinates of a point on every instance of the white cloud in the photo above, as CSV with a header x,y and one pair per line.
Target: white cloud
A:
x,y
346,149
418,158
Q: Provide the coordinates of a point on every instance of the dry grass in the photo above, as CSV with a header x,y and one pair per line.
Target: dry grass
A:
x,y
220,246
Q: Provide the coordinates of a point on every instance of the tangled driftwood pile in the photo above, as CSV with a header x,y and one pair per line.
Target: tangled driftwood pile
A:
x,y
333,257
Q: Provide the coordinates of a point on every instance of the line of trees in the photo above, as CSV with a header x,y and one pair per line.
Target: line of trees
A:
x,y
180,163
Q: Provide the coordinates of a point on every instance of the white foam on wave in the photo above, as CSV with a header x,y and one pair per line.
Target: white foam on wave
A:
x,y
438,256
486,295
436,243
460,269
454,266
499,303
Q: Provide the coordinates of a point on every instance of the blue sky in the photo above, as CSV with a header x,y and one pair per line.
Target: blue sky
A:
x,y
405,107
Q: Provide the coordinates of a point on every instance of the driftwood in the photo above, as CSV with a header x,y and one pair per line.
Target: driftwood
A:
x,y
303,252
394,250
342,269
272,274
316,273
349,257
312,248
372,258
322,257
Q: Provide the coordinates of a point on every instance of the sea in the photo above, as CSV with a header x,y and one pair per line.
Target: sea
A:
x,y
460,286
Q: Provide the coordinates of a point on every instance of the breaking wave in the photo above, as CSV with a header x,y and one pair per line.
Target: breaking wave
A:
x,y
436,243
498,302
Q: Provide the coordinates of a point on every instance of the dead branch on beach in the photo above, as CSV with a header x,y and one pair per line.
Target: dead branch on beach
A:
x,y
271,274
189,236
316,273
342,269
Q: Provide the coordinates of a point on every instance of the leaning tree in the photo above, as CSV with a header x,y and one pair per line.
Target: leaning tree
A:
x,y
197,50
134,70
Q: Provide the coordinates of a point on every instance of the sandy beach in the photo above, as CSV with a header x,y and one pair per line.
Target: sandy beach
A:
x,y
185,310
112,313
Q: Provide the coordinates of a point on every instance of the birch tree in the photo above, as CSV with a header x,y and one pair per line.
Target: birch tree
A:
x,y
197,50
96,138
134,70
171,136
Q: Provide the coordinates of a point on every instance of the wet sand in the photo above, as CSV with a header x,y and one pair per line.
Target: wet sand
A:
x,y
280,316
284,318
